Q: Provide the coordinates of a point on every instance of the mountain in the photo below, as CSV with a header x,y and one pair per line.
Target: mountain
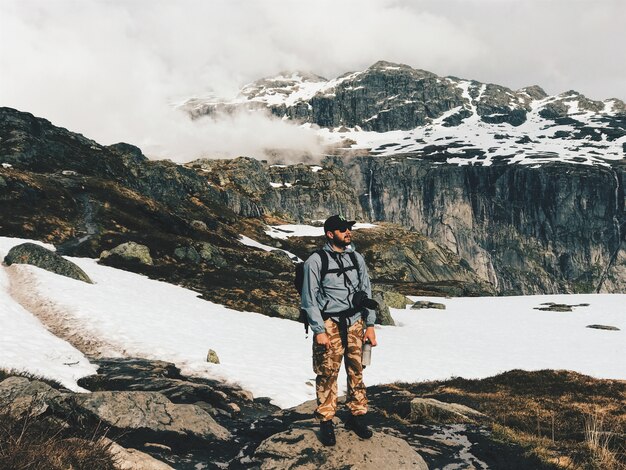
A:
x,y
527,188
393,109
85,198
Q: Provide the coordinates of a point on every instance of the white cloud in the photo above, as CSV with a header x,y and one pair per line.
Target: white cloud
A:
x,y
110,69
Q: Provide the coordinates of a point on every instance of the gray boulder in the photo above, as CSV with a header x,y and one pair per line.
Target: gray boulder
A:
x,y
36,255
187,253
284,311
20,397
133,459
603,327
383,316
420,304
429,409
211,254
133,411
299,447
130,251
392,298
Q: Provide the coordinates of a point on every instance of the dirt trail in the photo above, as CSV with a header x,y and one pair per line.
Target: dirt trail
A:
x,y
23,288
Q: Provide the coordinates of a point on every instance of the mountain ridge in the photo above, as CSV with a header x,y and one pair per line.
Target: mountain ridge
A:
x,y
393,109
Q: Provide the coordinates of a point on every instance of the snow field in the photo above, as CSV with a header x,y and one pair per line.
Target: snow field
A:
x,y
473,337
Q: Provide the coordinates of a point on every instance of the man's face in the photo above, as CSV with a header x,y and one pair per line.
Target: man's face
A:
x,y
342,238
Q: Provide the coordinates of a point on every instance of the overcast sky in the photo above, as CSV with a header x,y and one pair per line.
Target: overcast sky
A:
x,y
112,69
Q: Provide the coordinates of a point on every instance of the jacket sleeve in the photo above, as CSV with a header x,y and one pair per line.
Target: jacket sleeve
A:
x,y
311,286
370,319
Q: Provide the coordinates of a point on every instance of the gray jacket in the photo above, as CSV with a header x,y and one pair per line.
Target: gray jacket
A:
x,y
335,295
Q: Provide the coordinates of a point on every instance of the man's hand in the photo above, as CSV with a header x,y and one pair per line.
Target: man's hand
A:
x,y
323,340
370,334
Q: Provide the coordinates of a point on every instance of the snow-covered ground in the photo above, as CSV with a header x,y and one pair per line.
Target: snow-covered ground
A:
x,y
133,315
302,230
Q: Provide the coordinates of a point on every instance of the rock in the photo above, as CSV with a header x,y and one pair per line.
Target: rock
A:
x,y
3,183
426,304
212,255
20,397
299,447
552,307
199,225
133,459
284,311
429,409
392,299
604,327
130,251
383,316
36,255
187,253
212,357
137,411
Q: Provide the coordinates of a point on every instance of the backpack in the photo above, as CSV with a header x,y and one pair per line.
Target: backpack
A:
x,y
299,278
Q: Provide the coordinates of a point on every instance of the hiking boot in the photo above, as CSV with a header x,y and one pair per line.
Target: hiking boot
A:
x,y
357,424
327,433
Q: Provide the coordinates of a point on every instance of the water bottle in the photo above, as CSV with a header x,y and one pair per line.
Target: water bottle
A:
x,y
367,353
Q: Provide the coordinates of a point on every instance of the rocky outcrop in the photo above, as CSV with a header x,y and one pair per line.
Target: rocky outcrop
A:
x,y
130,251
151,411
133,459
21,397
299,447
429,409
37,255
554,228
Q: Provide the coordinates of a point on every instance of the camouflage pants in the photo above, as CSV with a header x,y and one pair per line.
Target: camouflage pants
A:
x,y
326,364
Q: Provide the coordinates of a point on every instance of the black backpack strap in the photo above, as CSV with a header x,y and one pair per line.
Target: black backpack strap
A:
x,y
324,258
355,263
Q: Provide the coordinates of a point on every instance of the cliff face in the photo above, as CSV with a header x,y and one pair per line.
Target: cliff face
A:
x,y
527,230
548,229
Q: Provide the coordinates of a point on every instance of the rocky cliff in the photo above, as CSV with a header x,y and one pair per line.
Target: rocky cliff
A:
x,y
547,229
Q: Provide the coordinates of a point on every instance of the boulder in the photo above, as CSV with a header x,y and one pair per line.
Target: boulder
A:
x,y
20,397
133,459
603,327
299,447
152,411
429,409
392,299
199,225
30,253
211,254
212,357
130,251
187,253
383,316
284,311
420,304
3,183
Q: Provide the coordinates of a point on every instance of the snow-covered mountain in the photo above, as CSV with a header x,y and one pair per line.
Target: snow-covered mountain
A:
x,y
393,109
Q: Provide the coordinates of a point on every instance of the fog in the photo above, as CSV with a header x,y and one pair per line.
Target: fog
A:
x,y
112,70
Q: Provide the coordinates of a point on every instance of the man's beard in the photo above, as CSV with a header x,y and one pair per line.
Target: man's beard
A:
x,y
342,243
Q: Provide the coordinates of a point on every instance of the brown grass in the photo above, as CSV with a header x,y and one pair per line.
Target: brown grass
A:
x,y
44,443
564,418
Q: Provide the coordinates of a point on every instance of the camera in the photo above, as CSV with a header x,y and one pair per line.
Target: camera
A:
x,y
361,300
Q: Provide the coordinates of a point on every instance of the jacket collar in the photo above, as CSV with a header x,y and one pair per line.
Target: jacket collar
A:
x,y
348,249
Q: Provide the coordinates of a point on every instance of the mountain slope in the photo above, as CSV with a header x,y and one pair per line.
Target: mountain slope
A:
x,y
391,109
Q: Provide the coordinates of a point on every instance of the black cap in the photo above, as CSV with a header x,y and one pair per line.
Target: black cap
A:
x,y
337,222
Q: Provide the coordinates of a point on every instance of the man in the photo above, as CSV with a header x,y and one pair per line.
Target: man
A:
x,y
340,323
